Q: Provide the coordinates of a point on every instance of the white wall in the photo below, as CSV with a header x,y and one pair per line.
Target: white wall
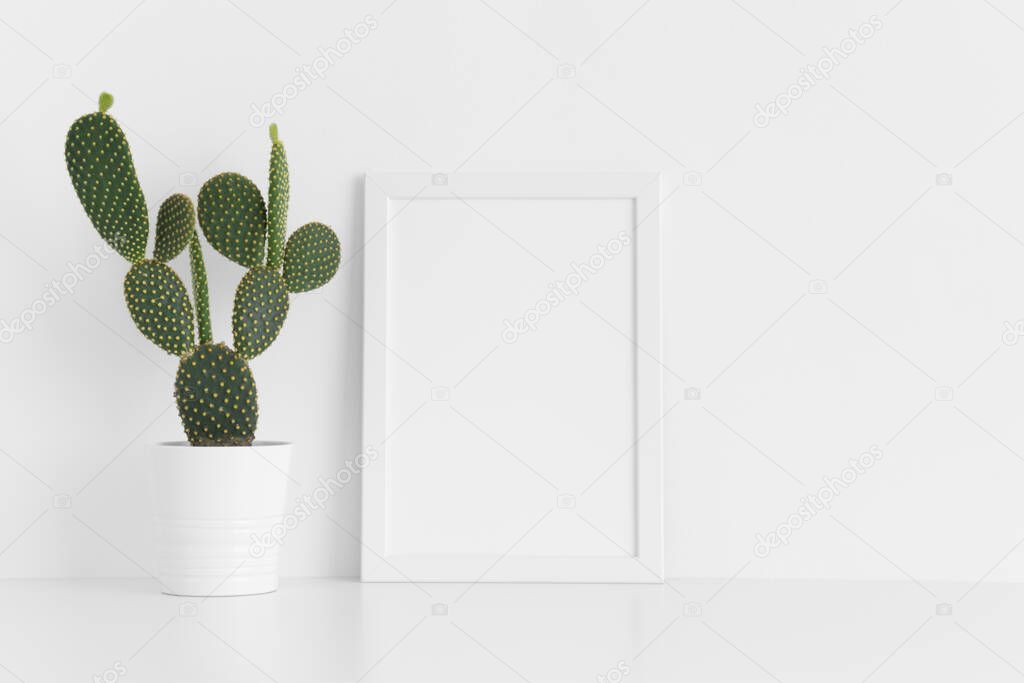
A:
x,y
920,276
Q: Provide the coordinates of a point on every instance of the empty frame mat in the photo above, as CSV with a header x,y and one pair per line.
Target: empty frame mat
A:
x,y
512,387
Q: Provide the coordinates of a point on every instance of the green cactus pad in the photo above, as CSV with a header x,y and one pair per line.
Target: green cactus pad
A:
x,y
311,257
234,218
216,397
277,204
159,305
261,304
103,174
175,224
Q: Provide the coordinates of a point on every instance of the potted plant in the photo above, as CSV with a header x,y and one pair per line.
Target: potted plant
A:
x,y
222,488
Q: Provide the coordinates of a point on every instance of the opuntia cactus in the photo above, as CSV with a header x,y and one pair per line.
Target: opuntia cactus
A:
x,y
175,223
214,386
216,397
277,194
101,168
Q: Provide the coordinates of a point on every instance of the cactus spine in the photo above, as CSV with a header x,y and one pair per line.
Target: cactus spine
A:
x,y
214,387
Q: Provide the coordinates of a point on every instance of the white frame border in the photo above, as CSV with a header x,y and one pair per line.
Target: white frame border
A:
x,y
646,190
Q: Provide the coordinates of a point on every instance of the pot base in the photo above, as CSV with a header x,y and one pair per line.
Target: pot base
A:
x,y
191,587
218,517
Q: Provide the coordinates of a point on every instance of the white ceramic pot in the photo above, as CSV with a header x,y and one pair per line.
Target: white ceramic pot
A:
x,y
213,505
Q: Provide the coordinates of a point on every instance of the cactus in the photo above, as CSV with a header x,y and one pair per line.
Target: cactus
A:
x,y
175,223
311,258
103,174
200,289
277,194
261,304
214,386
233,216
159,305
216,397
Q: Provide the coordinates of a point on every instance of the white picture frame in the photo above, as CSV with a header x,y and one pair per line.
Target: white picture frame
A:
x,y
393,553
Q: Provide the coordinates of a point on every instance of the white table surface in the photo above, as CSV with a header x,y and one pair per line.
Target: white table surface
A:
x,y
341,630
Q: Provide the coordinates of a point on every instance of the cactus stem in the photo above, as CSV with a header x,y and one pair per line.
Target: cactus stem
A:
x,y
277,206
106,102
200,289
